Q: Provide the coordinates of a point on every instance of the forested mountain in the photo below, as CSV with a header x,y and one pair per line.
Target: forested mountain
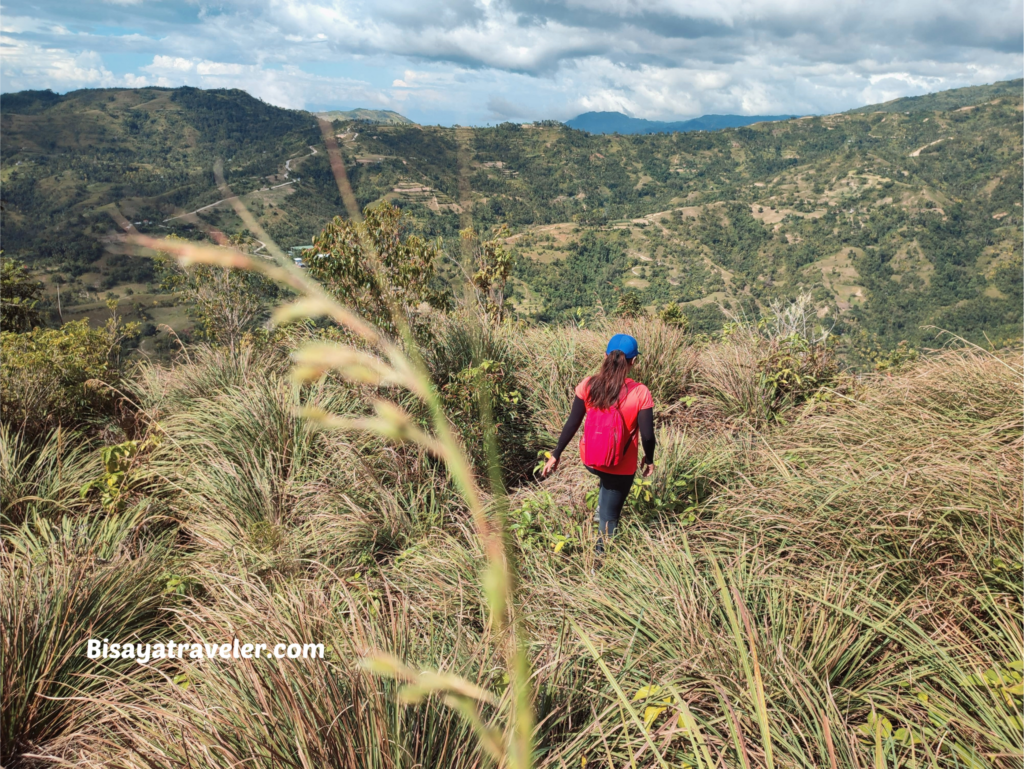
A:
x,y
150,151
895,217
949,100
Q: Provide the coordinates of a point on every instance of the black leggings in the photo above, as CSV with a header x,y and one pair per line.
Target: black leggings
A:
x,y
610,499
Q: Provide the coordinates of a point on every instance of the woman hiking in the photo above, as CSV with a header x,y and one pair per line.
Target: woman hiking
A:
x,y
618,411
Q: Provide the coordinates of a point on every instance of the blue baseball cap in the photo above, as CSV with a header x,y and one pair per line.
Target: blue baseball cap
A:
x,y
625,344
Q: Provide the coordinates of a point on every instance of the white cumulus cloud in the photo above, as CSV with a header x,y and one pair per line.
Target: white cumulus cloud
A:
x,y
287,86
25,65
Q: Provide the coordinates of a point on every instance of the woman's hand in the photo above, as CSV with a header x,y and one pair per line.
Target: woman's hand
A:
x,y
549,467
648,470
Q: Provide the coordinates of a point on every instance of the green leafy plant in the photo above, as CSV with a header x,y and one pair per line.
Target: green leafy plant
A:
x,y
19,296
176,584
225,304
532,523
630,305
672,315
651,498
61,375
122,464
511,426
493,264
795,369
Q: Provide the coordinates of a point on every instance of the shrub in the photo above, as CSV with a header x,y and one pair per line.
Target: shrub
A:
x,y
754,375
630,305
494,268
225,304
472,358
19,295
794,370
55,377
672,315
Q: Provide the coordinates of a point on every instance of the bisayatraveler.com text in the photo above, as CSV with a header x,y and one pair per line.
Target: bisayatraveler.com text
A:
x,y
143,653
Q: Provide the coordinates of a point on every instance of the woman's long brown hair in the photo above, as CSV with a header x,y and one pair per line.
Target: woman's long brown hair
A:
x,y
607,385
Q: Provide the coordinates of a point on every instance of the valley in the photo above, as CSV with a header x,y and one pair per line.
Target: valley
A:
x,y
896,218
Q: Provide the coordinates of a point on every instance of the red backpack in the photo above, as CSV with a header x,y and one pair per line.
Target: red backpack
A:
x,y
605,436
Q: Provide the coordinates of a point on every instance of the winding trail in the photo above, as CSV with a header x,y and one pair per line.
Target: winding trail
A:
x,y
917,153
222,200
287,170
288,164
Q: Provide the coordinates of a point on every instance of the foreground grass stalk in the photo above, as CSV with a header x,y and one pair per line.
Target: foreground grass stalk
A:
x,y
730,600
623,699
762,704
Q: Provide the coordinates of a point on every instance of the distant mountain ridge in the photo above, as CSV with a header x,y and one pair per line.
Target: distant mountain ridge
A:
x,y
616,122
383,116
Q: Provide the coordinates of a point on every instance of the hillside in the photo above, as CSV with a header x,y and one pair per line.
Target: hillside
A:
x,y
616,122
382,116
149,151
894,221
954,98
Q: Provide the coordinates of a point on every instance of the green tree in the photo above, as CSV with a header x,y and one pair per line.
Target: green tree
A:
x,y
672,315
402,272
56,376
225,304
19,295
494,267
630,305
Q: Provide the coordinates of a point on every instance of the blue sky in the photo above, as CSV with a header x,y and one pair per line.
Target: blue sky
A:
x,y
484,61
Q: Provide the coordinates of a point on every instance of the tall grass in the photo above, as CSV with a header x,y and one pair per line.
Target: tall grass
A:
x,y
202,371
42,478
920,468
866,560
731,380
51,604
387,365
846,596
298,713
555,360
762,654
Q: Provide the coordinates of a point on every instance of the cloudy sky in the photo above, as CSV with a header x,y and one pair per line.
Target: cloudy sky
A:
x,y
485,61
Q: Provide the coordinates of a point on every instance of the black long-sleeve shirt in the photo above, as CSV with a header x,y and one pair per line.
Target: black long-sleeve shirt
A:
x,y
644,423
